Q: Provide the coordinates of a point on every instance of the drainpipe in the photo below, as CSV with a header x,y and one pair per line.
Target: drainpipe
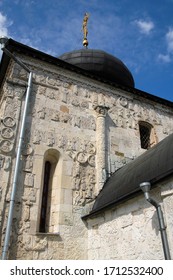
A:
x,y
3,41
145,186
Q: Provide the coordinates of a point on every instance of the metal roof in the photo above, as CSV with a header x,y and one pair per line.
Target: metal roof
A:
x,y
102,64
153,166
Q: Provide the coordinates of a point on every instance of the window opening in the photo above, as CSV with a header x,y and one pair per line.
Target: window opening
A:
x,y
44,204
145,131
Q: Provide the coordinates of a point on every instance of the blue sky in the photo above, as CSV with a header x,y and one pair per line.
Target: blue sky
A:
x,y
138,32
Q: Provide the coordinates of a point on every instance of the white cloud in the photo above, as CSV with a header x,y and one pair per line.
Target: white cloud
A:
x,y
169,39
164,58
3,25
145,27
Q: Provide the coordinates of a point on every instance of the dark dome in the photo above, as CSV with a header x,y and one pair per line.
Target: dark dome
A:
x,y
101,64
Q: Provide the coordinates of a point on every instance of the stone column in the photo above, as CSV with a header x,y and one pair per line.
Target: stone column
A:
x,y
101,160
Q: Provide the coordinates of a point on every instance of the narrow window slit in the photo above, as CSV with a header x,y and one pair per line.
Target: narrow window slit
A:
x,y
44,205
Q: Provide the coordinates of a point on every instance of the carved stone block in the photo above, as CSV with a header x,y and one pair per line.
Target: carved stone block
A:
x,y
9,121
7,133
2,158
6,146
29,180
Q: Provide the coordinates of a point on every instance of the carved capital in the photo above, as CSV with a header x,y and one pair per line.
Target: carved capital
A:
x,y
101,110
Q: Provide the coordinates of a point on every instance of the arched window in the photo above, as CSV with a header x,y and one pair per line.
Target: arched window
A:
x,y
44,204
48,217
147,135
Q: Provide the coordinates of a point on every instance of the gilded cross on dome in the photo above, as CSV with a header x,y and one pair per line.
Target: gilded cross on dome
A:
x,y
85,29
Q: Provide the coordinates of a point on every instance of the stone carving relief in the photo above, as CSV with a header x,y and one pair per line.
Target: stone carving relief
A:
x,y
61,142
47,137
37,137
64,95
74,120
91,160
23,238
101,110
50,94
53,81
42,113
26,213
84,104
7,163
58,116
37,244
2,159
29,195
41,90
65,117
123,101
83,172
40,244
22,73
7,133
75,102
27,149
29,180
9,121
6,146
83,155
168,129
128,117
86,93
75,90
50,139
13,93
83,184
77,121
126,114
84,122
12,106
88,123
94,100
9,92
55,115
28,164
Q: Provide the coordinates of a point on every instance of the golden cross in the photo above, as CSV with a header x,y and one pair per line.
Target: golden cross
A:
x,y
85,30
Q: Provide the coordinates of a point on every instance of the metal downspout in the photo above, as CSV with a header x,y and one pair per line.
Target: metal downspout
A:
x,y
145,187
18,155
162,228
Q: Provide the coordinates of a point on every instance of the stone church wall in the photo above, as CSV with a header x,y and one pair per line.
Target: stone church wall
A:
x,y
131,230
90,129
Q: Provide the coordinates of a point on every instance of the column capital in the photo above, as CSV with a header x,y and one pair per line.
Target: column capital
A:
x,y
101,110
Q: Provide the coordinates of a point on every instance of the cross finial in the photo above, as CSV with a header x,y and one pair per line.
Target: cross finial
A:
x,y
85,30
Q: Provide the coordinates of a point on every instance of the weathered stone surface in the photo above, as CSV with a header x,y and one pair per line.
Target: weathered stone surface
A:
x,y
87,130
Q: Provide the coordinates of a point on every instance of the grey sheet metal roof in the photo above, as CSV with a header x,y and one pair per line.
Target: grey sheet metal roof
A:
x,y
154,165
102,64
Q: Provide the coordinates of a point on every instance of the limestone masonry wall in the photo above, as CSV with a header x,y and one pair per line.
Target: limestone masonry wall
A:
x,y
131,231
88,130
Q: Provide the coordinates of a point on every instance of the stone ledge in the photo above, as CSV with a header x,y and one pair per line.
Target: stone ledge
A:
x,y
48,233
